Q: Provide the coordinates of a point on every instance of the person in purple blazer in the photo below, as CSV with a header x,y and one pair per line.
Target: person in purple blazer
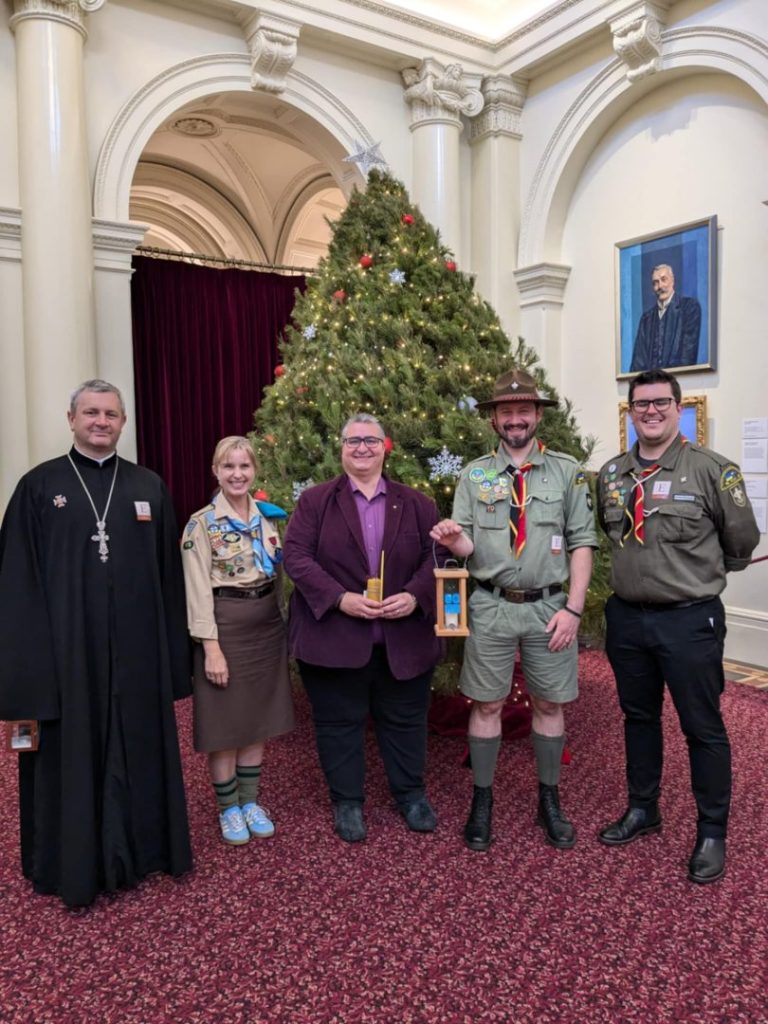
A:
x,y
359,656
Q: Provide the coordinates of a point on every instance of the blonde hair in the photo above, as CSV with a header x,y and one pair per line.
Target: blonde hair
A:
x,y
230,444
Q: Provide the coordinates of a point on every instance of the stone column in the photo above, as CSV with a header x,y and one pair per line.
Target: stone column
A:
x,y
542,294
14,449
114,243
495,139
57,269
438,96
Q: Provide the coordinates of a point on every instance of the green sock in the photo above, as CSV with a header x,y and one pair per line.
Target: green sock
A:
x,y
549,756
483,753
226,793
248,783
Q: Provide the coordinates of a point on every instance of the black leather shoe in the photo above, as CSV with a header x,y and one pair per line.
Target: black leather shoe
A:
x,y
419,815
348,821
477,831
559,831
707,862
636,822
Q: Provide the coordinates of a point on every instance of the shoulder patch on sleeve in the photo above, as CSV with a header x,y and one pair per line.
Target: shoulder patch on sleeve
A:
x,y
730,477
580,478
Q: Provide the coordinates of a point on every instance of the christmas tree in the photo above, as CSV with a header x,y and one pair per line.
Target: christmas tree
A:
x,y
391,326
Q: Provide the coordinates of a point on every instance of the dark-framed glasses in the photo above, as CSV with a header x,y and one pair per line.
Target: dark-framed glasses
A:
x,y
644,404
369,442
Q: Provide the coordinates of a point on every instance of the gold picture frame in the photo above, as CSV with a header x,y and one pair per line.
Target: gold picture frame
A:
x,y
693,421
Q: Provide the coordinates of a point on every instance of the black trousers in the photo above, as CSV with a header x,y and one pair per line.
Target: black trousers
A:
x,y
342,699
684,648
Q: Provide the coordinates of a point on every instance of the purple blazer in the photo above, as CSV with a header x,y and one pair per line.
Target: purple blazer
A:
x,y
325,556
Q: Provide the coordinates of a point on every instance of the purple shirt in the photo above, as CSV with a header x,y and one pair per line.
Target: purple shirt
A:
x,y
371,513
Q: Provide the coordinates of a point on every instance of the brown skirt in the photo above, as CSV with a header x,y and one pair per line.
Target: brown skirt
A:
x,y
257,702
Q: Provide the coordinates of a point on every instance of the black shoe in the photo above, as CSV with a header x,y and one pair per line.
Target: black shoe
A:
x,y
636,822
559,830
477,831
348,821
419,815
707,862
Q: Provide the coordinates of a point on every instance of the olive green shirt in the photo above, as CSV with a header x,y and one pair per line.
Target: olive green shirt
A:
x,y
701,524
558,518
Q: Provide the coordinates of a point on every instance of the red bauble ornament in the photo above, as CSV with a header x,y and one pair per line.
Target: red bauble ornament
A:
x,y
302,390
450,265
407,218
389,444
340,296
260,496
269,438
279,370
366,261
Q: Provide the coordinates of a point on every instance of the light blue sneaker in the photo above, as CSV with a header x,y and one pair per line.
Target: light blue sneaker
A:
x,y
233,827
257,821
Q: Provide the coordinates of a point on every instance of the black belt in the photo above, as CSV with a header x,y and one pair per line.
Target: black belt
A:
x,y
664,606
244,591
521,596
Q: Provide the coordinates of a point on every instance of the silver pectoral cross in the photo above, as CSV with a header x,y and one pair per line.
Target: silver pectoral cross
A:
x,y
101,537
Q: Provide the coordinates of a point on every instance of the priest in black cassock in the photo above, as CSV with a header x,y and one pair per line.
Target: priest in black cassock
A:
x,y
94,641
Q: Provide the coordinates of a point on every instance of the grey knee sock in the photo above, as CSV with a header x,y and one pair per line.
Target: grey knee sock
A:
x,y
549,754
483,753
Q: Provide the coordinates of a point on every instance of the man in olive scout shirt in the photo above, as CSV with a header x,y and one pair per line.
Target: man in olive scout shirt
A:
x,y
522,516
678,520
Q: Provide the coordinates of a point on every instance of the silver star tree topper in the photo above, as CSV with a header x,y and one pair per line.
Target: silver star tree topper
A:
x,y
366,157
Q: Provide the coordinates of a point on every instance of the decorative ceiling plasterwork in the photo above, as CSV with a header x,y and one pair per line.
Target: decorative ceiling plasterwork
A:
x,y
637,38
273,44
437,93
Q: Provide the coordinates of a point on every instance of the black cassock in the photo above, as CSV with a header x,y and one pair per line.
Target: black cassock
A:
x,y
97,652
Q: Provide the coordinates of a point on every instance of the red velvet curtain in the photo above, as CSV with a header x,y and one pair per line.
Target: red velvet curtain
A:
x,y
204,348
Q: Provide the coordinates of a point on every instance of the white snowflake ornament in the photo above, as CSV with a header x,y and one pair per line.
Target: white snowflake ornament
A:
x,y
309,332
445,464
299,486
397,276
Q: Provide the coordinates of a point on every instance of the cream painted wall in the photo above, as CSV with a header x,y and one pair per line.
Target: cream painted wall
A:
x,y
695,146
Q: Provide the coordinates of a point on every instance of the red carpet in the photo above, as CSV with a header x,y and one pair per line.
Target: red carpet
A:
x,y
303,929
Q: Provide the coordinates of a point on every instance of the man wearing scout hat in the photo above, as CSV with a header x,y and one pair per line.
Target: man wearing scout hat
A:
x,y
522,517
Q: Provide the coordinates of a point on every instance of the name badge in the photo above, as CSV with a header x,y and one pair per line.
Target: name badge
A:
x,y
143,511
661,488
557,545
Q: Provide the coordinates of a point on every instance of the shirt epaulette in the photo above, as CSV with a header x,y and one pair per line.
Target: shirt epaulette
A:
x,y
716,457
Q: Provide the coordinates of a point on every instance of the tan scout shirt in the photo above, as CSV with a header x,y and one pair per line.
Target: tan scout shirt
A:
x,y
215,554
559,518
701,524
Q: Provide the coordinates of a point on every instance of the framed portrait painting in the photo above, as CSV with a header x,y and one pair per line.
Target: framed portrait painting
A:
x,y
693,421
666,300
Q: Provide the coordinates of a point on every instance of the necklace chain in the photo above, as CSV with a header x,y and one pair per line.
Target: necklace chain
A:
x,y
100,537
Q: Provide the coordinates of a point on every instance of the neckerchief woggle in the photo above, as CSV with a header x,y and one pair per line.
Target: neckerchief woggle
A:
x,y
518,502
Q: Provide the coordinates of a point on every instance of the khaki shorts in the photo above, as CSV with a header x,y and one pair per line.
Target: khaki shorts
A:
x,y
497,629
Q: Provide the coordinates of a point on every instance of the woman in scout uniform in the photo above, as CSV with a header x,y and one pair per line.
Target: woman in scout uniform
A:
x,y
242,695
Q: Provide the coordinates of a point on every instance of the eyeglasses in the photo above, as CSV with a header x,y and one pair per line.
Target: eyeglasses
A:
x,y
369,442
644,404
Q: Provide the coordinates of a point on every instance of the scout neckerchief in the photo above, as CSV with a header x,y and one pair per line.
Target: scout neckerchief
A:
x,y
518,500
253,530
101,536
640,513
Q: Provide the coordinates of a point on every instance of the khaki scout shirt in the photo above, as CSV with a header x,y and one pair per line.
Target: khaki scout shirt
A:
x,y
217,555
700,526
558,518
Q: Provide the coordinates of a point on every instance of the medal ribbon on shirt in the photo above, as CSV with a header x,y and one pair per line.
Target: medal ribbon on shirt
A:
x,y
517,504
637,516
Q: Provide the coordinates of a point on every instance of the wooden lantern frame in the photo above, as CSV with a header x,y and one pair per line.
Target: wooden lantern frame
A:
x,y
441,575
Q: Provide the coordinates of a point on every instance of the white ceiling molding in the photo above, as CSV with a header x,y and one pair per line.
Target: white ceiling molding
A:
x,y
637,37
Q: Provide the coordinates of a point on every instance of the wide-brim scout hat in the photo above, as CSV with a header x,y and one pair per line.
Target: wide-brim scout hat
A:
x,y
515,386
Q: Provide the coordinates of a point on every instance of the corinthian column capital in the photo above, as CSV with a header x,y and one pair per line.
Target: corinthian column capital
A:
x,y
273,43
504,99
66,12
438,93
